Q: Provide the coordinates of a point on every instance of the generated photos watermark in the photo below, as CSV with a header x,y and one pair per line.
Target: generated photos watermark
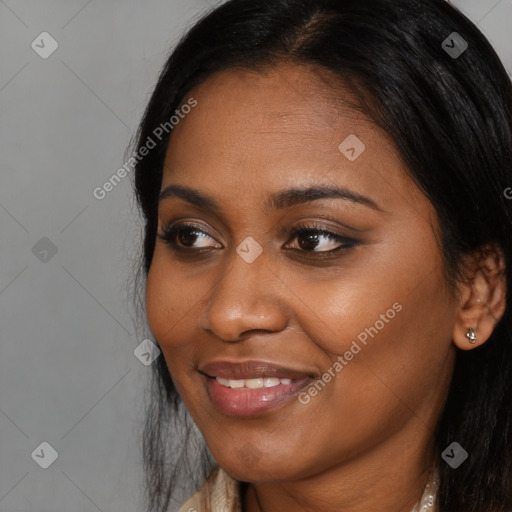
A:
x,y
343,360
158,133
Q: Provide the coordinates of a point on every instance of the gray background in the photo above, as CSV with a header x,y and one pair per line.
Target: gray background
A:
x,y
68,374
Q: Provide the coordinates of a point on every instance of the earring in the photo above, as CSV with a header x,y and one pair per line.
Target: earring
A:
x,y
471,335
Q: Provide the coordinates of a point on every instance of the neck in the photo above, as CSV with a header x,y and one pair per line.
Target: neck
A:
x,y
391,478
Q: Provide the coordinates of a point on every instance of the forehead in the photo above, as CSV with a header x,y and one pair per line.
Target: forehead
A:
x,y
254,130
282,104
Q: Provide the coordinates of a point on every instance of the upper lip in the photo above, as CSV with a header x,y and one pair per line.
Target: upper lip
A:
x,y
251,370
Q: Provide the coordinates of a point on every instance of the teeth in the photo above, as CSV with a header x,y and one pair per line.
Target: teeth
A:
x,y
257,383
254,383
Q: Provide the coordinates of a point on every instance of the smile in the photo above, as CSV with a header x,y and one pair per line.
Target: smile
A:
x,y
252,397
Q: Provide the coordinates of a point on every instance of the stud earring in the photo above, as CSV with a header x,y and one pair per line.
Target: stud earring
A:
x,y
471,335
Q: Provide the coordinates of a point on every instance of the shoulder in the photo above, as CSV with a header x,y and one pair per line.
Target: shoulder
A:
x,y
219,493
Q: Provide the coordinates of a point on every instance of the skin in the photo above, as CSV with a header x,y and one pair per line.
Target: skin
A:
x,y
365,442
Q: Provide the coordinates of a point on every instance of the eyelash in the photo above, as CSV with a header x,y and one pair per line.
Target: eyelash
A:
x,y
170,234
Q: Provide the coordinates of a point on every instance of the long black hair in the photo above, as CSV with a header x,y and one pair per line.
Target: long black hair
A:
x,y
450,116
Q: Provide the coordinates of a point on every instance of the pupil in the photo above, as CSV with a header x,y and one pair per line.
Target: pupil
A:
x,y
187,237
311,241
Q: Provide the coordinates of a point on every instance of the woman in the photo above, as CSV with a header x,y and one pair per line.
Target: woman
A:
x,y
327,249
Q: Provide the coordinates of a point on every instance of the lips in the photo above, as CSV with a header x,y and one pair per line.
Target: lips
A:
x,y
252,370
252,388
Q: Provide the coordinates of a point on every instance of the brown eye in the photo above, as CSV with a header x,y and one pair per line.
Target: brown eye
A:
x,y
187,237
320,240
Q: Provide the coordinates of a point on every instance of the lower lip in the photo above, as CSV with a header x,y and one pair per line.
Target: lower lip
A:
x,y
252,402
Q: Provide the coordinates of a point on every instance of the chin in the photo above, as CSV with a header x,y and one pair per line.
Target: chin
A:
x,y
262,470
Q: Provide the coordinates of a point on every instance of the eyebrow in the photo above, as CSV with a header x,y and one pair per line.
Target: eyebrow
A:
x,y
277,201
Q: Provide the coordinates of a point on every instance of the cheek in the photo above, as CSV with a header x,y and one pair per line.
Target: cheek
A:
x,y
173,302
390,321
157,301
167,304
393,346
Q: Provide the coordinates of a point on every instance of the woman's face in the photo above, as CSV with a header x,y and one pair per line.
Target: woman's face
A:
x,y
360,317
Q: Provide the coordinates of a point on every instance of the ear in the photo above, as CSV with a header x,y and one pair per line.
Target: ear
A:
x,y
482,298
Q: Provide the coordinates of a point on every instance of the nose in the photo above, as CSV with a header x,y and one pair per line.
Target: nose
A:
x,y
249,297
